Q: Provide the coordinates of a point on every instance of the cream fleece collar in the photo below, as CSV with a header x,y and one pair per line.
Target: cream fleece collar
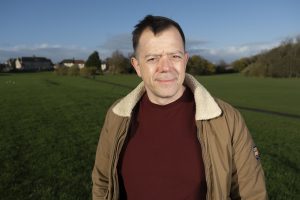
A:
x,y
206,107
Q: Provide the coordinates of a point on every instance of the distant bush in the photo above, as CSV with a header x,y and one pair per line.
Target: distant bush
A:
x,y
199,66
74,70
61,70
88,72
118,63
255,69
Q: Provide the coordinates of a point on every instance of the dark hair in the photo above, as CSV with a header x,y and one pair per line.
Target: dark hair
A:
x,y
157,24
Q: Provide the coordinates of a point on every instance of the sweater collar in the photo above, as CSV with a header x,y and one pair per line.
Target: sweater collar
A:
x,y
206,106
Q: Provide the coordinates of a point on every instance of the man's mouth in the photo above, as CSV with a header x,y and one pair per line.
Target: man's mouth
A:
x,y
166,80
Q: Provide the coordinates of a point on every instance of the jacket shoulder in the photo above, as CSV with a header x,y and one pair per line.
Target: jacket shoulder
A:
x,y
225,107
230,118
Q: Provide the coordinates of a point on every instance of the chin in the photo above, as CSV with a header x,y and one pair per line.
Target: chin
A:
x,y
166,93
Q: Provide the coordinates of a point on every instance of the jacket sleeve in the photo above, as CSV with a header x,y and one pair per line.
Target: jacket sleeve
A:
x,y
100,174
248,180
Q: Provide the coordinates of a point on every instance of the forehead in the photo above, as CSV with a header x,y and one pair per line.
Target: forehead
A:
x,y
166,40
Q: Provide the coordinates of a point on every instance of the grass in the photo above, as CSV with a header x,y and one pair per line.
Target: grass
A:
x,y
281,95
49,130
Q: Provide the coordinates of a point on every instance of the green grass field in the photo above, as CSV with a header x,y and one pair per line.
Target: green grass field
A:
x,y
49,129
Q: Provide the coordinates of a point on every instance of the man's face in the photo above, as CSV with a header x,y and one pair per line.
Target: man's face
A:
x,y
161,62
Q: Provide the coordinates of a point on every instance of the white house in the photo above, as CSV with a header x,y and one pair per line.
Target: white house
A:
x,y
103,66
72,62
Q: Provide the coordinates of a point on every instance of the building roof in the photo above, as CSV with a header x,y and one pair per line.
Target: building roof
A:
x,y
35,59
72,61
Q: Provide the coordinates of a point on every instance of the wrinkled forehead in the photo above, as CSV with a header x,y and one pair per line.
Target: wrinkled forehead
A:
x,y
167,40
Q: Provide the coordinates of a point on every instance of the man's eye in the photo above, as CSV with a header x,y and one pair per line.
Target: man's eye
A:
x,y
151,59
176,57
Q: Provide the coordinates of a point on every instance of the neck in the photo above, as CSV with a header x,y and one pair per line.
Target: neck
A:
x,y
164,100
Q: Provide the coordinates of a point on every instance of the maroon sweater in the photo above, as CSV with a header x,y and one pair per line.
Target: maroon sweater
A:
x,y
162,157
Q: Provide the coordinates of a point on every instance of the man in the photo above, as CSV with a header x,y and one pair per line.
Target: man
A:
x,y
169,138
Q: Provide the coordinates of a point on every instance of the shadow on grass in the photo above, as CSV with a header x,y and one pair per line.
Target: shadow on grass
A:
x,y
114,84
50,82
269,112
5,74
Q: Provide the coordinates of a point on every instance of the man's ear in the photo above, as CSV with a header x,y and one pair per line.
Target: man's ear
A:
x,y
186,56
136,66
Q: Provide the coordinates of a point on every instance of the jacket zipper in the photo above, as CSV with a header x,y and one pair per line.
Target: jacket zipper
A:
x,y
117,150
200,137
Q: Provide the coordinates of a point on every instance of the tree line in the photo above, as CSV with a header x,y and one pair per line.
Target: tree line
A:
x,y
281,61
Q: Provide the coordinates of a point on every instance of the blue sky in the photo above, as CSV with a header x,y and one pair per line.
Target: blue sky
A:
x,y
59,29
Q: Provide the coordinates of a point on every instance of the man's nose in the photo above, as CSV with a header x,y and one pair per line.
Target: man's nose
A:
x,y
164,63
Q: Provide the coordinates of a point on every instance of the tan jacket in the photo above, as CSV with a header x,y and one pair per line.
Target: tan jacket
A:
x,y
231,166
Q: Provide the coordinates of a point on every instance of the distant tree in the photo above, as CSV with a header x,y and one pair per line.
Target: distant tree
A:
x,y
118,63
2,67
240,64
298,39
281,61
287,41
130,68
93,60
92,65
221,67
199,66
